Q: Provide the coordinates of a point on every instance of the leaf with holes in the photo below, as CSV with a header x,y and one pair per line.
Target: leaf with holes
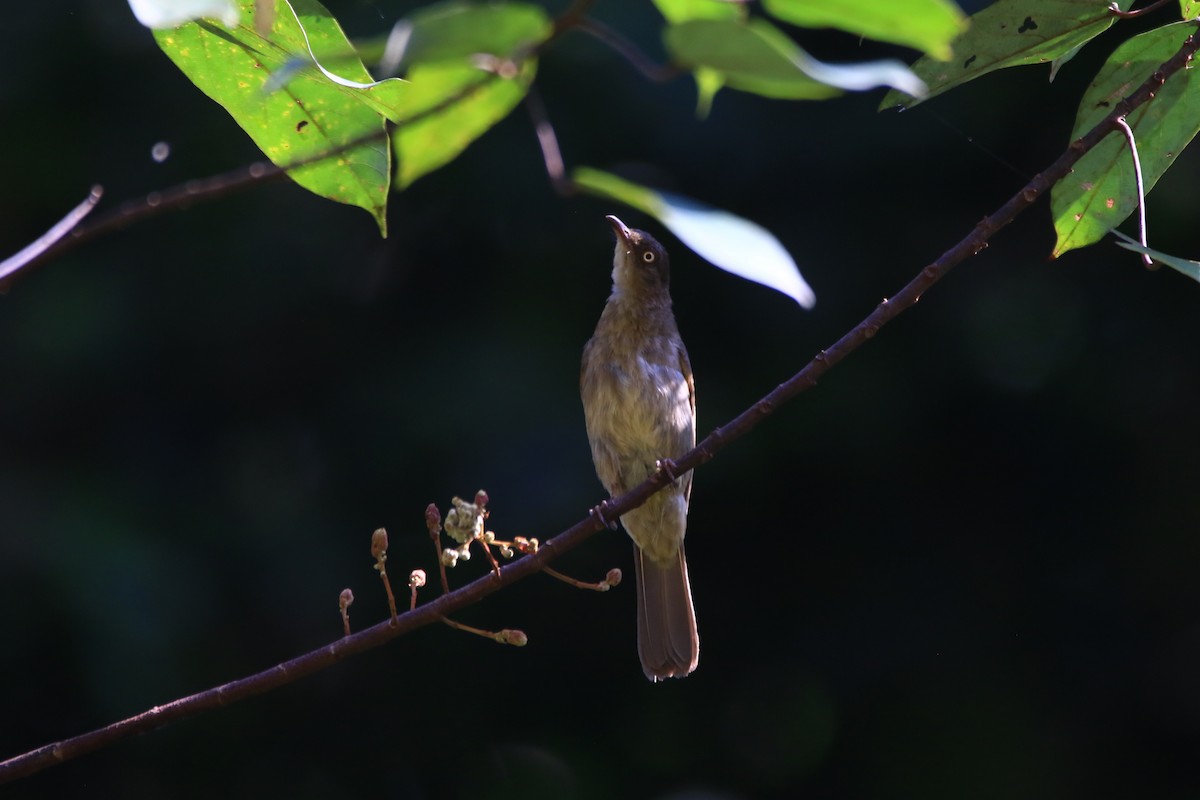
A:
x,y
1011,33
722,239
311,114
1101,191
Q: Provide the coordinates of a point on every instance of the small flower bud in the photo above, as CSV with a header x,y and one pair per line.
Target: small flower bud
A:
x,y
506,551
345,599
512,636
449,557
613,578
464,552
416,578
481,498
433,519
489,537
379,544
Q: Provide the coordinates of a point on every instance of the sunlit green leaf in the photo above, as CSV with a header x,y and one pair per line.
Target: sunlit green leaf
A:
x,y
1190,9
725,240
677,11
1101,191
447,106
458,30
1182,265
311,114
1011,33
928,25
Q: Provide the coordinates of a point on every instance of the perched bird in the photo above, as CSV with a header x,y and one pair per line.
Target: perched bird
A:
x,y
640,405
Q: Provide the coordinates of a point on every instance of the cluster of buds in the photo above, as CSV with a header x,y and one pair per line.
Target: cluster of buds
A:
x,y
452,555
464,524
464,521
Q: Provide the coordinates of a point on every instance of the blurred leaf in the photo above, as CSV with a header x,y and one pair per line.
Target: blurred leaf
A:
x,y
928,25
1101,191
708,81
451,105
745,55
724,240
309,116
677,11
458,31
1189,9
172,13
1011,33
757,57
1188,268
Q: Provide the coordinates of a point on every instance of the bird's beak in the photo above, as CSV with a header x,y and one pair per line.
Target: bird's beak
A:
x,y
623,233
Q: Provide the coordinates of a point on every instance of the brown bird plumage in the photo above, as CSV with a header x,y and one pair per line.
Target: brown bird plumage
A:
x,y
640,405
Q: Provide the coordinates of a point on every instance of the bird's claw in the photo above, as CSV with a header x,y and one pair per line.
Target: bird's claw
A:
x,y
598,513
667,467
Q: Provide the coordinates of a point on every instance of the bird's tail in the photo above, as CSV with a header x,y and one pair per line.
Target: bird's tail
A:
x,y
668,643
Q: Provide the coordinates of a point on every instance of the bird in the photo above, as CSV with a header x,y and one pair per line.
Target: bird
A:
x,y
639,401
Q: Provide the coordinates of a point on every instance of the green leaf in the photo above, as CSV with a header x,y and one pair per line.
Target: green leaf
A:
x,y
928,25
461,77
677,11
749,55
708,81
1189,9
1182,265
447,106
312,114
1011,33
755,56
457,31
725,240
1101,191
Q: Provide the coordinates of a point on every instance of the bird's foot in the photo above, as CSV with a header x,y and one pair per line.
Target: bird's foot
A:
x,y
667,467
598,513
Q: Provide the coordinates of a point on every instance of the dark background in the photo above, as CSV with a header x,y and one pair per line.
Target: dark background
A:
x,y
963,566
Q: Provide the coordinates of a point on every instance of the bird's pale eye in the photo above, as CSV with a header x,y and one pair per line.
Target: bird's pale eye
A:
x,y
648,256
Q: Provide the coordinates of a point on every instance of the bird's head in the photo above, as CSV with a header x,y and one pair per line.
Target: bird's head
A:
x,y
640,264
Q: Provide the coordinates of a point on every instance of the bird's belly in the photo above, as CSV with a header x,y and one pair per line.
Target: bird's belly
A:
x,y
636,416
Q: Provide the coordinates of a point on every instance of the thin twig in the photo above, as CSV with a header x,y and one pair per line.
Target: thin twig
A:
x,y
628,50
44,242
571,17
1132,14
1141,193
548,141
